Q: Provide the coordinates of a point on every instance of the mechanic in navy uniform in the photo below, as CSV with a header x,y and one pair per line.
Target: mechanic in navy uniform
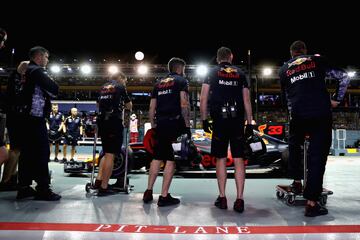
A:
x,y
55,124
309,104
73,131
226,92
112,100
169,114
3,150
13,125
39,88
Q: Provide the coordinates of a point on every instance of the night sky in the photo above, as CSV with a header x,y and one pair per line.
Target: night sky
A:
x,y
188,31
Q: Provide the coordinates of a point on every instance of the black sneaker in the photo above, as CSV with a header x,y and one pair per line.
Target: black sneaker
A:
x,y
148,197
239,205
46,195
316,210
64,160
221,202
56,159
72,160
25,192
296,187
105,192
167,201
97,184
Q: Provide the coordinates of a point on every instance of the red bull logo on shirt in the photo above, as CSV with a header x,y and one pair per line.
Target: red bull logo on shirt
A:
x,y
228,73
166,83
299,61
301,67
108,89
229,70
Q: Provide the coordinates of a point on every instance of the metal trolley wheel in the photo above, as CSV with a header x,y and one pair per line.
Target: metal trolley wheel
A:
x,y
323,200
280,195
88,187
290,200
127,189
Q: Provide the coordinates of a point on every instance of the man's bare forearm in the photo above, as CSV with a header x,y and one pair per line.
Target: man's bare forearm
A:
x,y
247,105
152,110
203,111
185,111
185,107
151,117
248,111
203,101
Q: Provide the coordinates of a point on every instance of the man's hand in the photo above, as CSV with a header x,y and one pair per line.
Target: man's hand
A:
x,y
334,104
207,126
249,131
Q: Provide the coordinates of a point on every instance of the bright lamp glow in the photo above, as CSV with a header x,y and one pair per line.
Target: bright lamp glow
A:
x,y
201,70
113,69
139,56
55,69
267,71
143,69
85,69
351,74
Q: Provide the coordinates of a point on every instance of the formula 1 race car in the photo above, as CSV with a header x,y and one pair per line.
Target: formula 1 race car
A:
x,y
194,155
197,154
